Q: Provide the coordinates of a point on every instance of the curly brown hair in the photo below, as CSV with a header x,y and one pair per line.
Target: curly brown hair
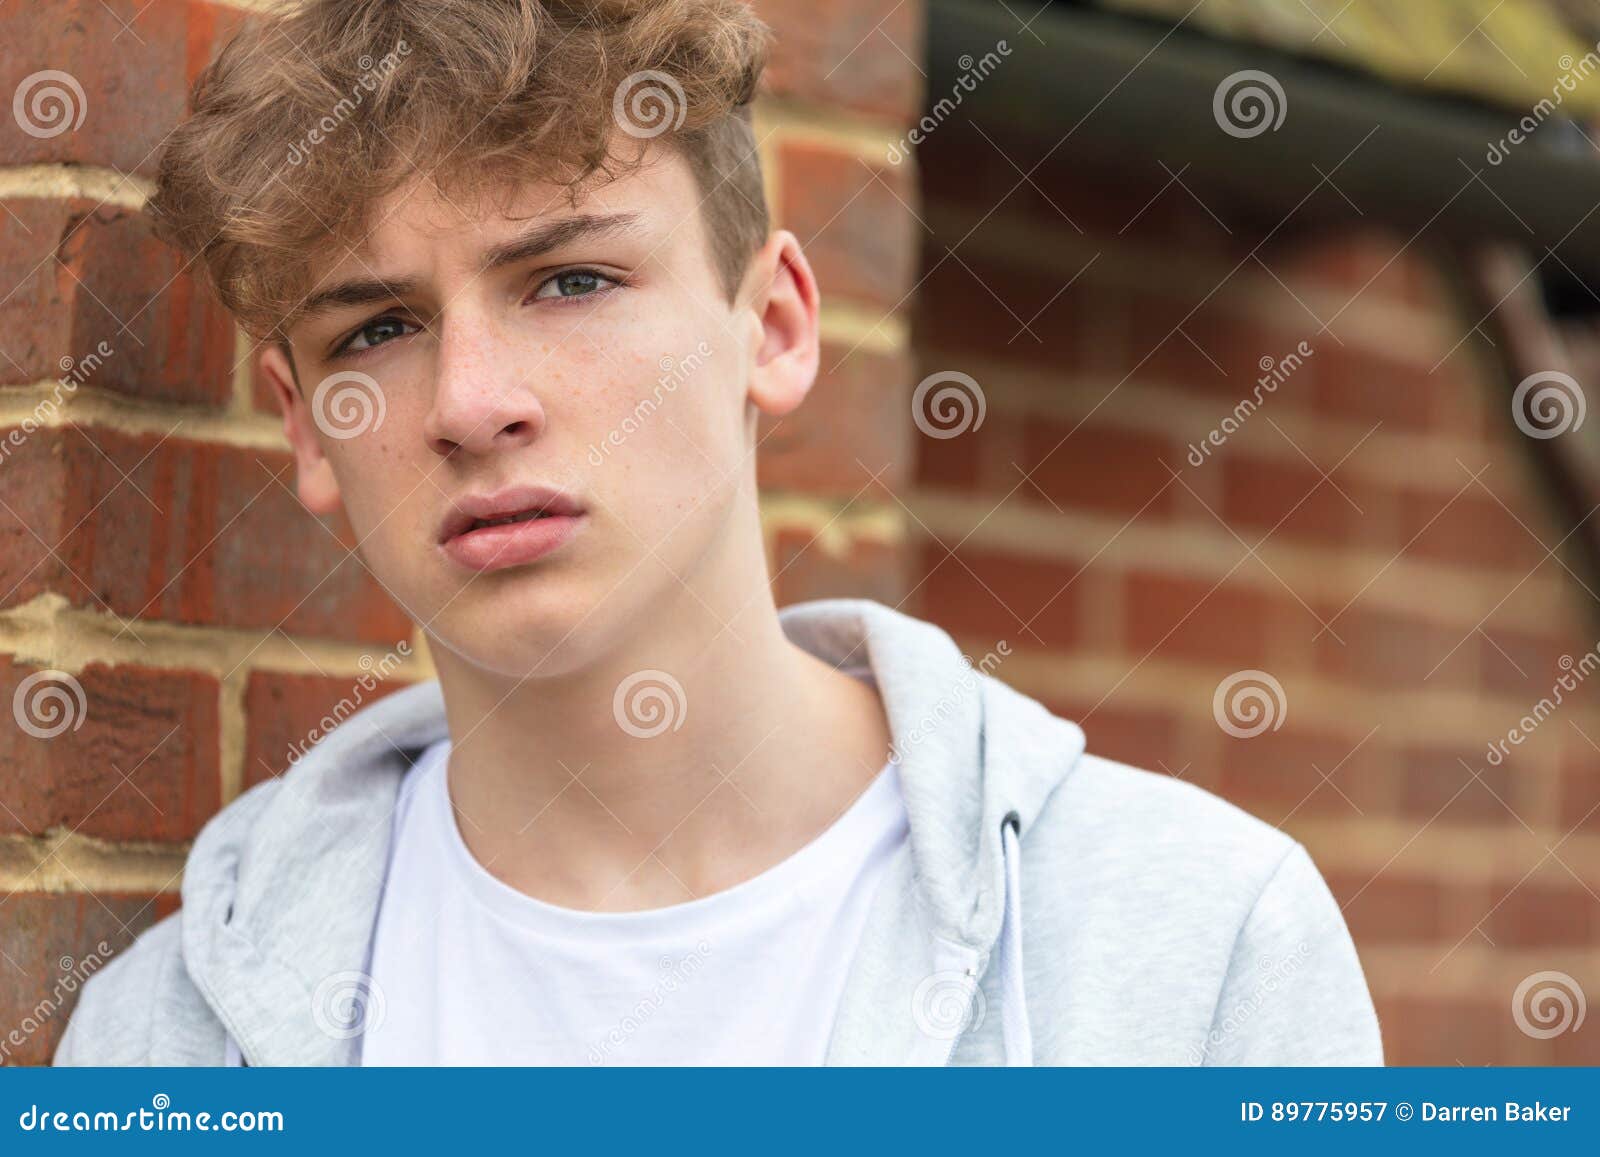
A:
x,y
310,116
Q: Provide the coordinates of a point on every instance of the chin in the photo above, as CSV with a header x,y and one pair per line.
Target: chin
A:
x,y
520,626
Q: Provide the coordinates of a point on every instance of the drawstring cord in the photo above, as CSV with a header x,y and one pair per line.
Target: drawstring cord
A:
x,y
1014,1003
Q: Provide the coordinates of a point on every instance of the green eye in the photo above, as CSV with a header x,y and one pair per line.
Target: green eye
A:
x,y
375,333
573,283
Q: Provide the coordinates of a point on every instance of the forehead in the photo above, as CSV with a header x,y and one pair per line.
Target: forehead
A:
x,y
454,226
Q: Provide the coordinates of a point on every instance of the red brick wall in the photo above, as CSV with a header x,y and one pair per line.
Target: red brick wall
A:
x,y
160,585
1371,536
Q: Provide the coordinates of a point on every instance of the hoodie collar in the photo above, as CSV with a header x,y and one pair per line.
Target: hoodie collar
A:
x,y
282,887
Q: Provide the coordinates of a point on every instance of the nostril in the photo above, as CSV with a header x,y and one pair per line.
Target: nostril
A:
x,y
515,428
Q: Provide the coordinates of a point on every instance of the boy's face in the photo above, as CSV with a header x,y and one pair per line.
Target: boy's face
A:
x,y
470,357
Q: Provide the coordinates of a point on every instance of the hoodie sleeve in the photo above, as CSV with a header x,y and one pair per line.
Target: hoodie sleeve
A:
x,y
1294,993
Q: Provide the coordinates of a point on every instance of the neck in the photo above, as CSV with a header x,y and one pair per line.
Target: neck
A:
x,y
728,749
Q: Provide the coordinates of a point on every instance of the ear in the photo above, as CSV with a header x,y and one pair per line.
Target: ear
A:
x,y
783,297
319,489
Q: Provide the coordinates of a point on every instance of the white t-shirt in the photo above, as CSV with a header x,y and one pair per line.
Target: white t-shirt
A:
x,y
468,970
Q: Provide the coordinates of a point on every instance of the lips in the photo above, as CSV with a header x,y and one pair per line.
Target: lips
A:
x,y
509,527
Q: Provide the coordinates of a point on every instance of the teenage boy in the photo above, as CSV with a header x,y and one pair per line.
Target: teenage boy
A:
x,y
522,309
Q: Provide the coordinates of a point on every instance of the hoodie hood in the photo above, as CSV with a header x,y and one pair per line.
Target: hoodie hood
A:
x,y
282,887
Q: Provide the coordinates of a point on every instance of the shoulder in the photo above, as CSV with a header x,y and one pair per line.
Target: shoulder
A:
x,y
1174,927
1155,832
113,1021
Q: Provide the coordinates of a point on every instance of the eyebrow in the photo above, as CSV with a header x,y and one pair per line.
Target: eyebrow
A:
x,y
555,234
536,242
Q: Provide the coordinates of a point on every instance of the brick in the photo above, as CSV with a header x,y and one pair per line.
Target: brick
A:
x,y
803,570
135,758
132,61
992,595
1385,648
1099,469
1390,907
1298,770
1580,789
286,714
850,215
1005,312
1471,529
857,54
1457,786
52,944
1176,617
854,425
196,533
1526,666
1469,1030
85,280
1290,500
1139,736
1540,914
1365,387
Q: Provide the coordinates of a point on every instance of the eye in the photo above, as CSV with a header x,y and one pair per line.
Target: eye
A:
x,y
574,283
375,333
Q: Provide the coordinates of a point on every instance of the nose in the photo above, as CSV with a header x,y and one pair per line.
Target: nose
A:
x,y
482,400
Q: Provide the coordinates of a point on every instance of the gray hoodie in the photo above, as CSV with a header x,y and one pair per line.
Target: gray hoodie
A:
x,y
1050,907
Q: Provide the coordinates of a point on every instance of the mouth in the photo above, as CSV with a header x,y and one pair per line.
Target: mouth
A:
x,y
510,527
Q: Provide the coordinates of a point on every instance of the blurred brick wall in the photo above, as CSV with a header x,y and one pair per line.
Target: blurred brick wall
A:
x,y
1371,537
153,556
